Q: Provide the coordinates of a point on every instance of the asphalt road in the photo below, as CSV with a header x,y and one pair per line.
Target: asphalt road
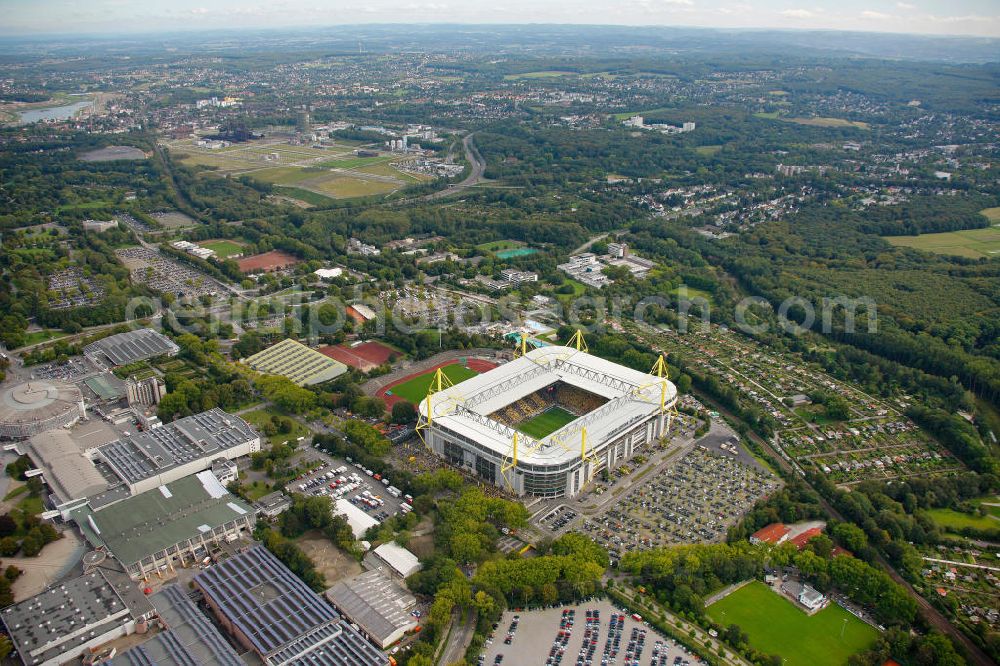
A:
x,y
474,177
458,640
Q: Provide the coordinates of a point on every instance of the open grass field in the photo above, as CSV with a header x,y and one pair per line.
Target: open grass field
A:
x,y
546,423
827,122
345,187
356,162
776,626
972,243
991,214
415,389
223,248
305,196
35,337
259,417
708,151
812,122
692,293
497,246
545,74
947,518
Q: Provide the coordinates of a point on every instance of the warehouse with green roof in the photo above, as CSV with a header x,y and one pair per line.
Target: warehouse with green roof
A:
x,y
173,525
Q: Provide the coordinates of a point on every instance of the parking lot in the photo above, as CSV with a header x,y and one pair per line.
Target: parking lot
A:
x,y
694,501
147,266
72,370
558,518
594,633
342,479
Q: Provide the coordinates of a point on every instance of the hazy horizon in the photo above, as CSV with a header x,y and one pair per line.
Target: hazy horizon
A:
x,y
979,18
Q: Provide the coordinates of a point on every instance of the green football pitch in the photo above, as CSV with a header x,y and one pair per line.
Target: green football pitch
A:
x,y
546,423
415,389
775,626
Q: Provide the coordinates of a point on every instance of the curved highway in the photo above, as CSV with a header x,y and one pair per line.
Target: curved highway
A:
x,y
475,175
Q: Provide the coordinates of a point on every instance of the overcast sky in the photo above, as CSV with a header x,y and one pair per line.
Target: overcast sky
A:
x,y
954,17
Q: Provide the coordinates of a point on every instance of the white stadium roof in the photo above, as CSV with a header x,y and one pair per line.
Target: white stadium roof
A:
x,y
465,408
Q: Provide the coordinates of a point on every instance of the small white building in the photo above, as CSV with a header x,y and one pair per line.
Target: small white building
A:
x,y
811,598
399,560
328,273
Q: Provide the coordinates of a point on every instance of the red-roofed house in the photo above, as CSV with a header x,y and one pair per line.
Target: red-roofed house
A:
x,y
837,550
774,533
802,539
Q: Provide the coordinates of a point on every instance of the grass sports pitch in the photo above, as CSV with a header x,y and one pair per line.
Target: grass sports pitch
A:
x,y
546,423
415,389
775,626
223,248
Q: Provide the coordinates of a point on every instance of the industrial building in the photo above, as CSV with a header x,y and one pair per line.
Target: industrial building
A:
x,y
130,347
68,473
146,392
188,637
270,611
273,504
380,607
292,359
39,405
66,620
393,559
145,460
174,525
610,413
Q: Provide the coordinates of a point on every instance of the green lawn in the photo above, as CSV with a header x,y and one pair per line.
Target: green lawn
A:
x,y
692,293
497,246
223,248
973,243
957,520
546,423
415,389
708,151
256,490
259,417
775,626
19,490
307,196
42,336
545,74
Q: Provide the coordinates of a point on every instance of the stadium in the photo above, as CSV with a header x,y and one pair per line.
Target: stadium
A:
x,y
547,422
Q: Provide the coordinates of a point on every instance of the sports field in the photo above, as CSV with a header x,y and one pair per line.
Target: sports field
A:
x,y
223,248
973,243
415,389
775,626
546,423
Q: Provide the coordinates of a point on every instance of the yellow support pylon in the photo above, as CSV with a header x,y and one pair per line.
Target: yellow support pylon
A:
x,y
578,341
439,383
522,347
660,367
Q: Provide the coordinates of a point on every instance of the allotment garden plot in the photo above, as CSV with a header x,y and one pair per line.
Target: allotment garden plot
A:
x,y
862,438
876,449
